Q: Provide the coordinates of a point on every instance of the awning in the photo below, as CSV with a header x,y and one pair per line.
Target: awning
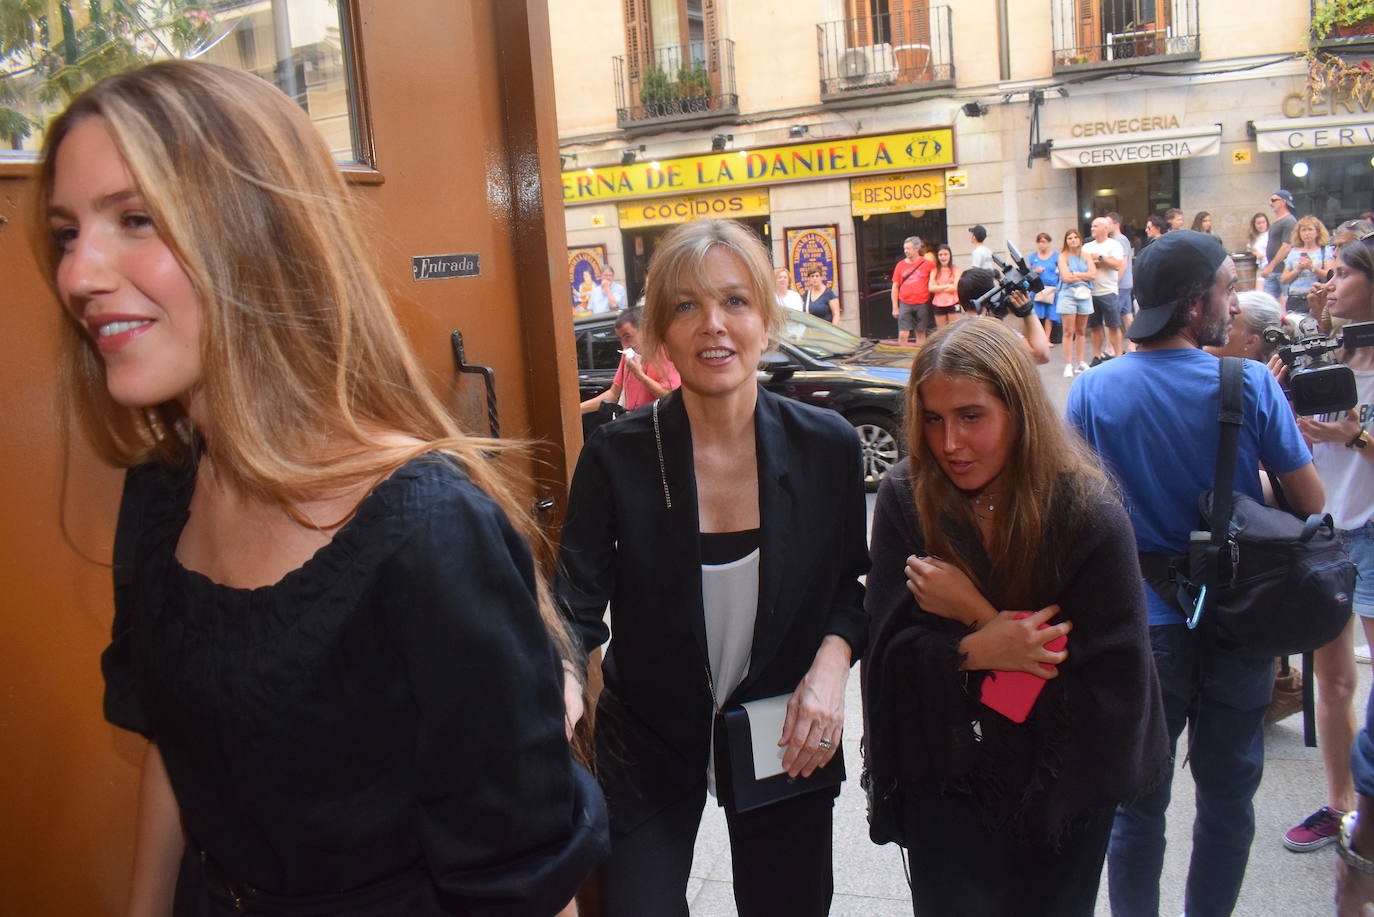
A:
x,y
1291,134
1147,146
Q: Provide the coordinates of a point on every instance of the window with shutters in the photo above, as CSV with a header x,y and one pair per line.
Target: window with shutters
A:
x,y
1109,33
885,46
675,64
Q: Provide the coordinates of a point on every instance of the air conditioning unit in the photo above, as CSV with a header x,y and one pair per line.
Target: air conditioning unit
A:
x,y
874,65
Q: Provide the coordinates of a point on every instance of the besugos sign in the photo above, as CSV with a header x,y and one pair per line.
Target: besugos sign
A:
x,y
825,159
896,194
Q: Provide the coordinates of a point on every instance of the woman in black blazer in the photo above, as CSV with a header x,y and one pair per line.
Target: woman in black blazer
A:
x,y
725,526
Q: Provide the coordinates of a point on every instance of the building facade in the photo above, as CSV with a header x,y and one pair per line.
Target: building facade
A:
x,y
837,128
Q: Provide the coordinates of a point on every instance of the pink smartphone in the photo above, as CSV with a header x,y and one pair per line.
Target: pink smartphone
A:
x,y
1013,694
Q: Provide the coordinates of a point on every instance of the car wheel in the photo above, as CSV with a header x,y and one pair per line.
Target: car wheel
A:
x,y
881,440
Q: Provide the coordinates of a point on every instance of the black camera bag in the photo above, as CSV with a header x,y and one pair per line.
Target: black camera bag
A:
x,y
1272,584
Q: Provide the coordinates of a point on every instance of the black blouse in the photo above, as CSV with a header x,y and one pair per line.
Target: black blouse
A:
x,y
393,701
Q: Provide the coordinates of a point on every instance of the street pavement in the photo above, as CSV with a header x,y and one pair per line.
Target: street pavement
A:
x,y
869,880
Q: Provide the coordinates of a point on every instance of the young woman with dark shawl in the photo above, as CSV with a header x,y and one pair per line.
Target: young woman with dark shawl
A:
x,y
1000,536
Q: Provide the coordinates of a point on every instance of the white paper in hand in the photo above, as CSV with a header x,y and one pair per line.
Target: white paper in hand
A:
x,y
765,728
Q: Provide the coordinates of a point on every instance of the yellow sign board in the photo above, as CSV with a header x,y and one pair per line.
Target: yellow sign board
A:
x,y
1240,157
664,211
839,157
956,180
896,194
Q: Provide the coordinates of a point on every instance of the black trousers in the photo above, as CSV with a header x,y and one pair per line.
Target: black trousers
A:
x,y
780,856
959,868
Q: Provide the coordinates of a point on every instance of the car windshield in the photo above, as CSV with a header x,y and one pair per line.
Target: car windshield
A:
x,y
818,338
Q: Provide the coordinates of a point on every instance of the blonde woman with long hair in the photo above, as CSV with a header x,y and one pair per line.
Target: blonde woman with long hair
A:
x,y
997,540
328,621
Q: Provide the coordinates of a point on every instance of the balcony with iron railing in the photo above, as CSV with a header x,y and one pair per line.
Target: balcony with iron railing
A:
x,y
885,53
693,82
1105,34
1340,26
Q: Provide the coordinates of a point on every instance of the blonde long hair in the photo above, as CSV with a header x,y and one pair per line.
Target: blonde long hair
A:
x,y
307,374
1048,463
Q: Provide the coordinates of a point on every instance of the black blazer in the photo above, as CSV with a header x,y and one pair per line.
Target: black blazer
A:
x,y
624,545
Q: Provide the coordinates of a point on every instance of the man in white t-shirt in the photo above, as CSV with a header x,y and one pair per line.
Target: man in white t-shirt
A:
x,y
1124,279
982,255
1106,253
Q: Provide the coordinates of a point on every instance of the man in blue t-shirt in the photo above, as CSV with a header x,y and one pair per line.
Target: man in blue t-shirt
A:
x,y
1152,416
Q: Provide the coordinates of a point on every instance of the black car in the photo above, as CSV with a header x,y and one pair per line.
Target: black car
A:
x,y
811,360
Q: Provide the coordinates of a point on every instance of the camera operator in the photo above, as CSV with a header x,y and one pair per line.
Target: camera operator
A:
x,y
1345,462
976,281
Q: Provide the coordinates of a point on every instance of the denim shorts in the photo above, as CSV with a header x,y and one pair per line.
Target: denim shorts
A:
x,y
1068,304
1360,543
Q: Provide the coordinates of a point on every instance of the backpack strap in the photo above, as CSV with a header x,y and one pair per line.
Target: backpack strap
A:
x,y
1230,417
1229,420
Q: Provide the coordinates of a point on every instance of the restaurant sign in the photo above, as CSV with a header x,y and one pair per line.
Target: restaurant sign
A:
x,y
664,211
896,194
835,158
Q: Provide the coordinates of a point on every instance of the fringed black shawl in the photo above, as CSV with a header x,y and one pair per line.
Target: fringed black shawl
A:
x,y
1096,735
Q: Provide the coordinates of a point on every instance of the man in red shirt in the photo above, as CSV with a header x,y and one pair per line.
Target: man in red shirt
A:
x,y
911,293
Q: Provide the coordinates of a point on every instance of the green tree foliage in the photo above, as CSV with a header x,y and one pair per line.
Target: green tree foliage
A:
x,y
51,50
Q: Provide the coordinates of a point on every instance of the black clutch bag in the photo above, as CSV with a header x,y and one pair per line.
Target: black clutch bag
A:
x,y
737,786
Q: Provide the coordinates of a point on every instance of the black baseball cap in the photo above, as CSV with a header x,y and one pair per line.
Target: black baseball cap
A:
x,y
979,232
1165,270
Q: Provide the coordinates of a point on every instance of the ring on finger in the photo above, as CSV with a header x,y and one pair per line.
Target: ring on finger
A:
x,y
826,744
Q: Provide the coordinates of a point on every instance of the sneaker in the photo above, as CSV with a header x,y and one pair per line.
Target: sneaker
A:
x,y
1082,368
1317,830
1068,370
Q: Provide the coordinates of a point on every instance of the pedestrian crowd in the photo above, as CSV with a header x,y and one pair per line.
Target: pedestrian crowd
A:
x,y
362,695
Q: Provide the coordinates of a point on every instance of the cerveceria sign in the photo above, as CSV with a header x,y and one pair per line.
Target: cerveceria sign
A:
x,y
1124,126
1147,146
765,166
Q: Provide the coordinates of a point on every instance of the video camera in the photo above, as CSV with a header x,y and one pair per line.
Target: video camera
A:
x,y
1016,277
1317,384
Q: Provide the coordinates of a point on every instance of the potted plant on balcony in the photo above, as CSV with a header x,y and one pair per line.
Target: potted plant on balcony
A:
x,y
657,93
1339,19
694,87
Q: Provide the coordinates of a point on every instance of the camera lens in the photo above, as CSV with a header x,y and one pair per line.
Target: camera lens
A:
x,y
1323,390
